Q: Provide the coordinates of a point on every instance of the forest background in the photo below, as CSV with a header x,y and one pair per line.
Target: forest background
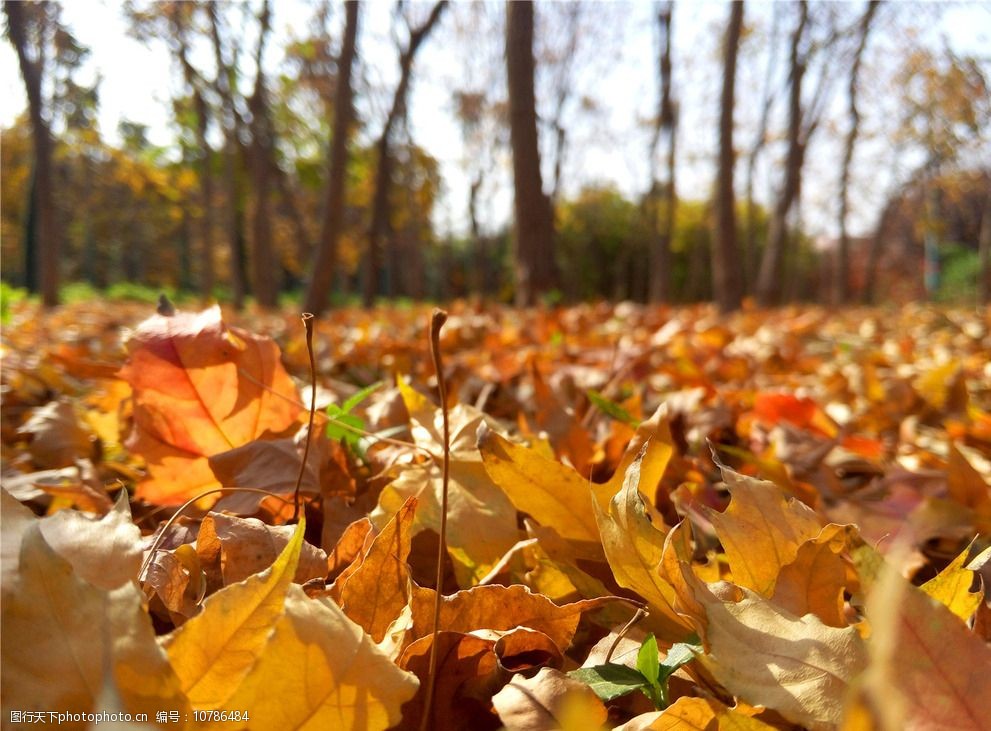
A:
x,y
834,152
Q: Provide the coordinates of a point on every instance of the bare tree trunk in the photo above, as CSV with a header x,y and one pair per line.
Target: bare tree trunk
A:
x,y
750,241
536,271
204,151
325,259
380,225
984,256
662,232
235,228
841,273
726,281
769,278
874,256
263,261
44,232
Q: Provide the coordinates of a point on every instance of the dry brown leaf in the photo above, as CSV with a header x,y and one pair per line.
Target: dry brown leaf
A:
x,y
58,627
58,438
548,701
815,580
501,608
468,673
797,666
249,546
378,589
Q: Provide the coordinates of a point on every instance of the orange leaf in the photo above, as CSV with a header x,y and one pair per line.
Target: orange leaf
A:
x,y
200,388
378,589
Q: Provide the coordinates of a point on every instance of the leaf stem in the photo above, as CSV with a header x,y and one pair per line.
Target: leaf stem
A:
x,y
640,614
308,326
437,321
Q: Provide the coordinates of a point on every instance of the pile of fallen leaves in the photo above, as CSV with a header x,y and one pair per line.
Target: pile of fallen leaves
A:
x,y
658,518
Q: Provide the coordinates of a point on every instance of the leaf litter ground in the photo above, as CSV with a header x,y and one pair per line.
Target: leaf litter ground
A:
x,y
764,520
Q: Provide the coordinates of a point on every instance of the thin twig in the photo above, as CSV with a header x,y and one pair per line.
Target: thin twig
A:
x,y
641,613
308,326
437,321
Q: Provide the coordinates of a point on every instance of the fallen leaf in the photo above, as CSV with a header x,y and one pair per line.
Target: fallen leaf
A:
x,y
549,700
215,650
59,626
814,582
923,657
106,552
481,521
467,675
375,593
501,608
633,545
761,531
57,436
694,714
951,588
249,546
552,493
797,666
320,670
200,388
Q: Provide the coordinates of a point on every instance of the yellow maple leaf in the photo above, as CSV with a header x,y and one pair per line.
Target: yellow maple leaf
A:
x,y
554,494
320,670
761,531
213,651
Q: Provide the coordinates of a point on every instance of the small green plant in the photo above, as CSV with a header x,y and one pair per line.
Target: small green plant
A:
x,y
345,426
650,676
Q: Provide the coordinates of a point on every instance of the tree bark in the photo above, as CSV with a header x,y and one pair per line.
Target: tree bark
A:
x,y
325,258
205,152
769,278
235,224
662,227
726,281
380,225
262,259
874,255
841,280
750,237
536,270
43,239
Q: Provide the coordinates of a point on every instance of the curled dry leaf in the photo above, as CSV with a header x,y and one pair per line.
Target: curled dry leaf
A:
x,y
549,700
374,594
633,545
200,388
58,438
249,546
468,674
